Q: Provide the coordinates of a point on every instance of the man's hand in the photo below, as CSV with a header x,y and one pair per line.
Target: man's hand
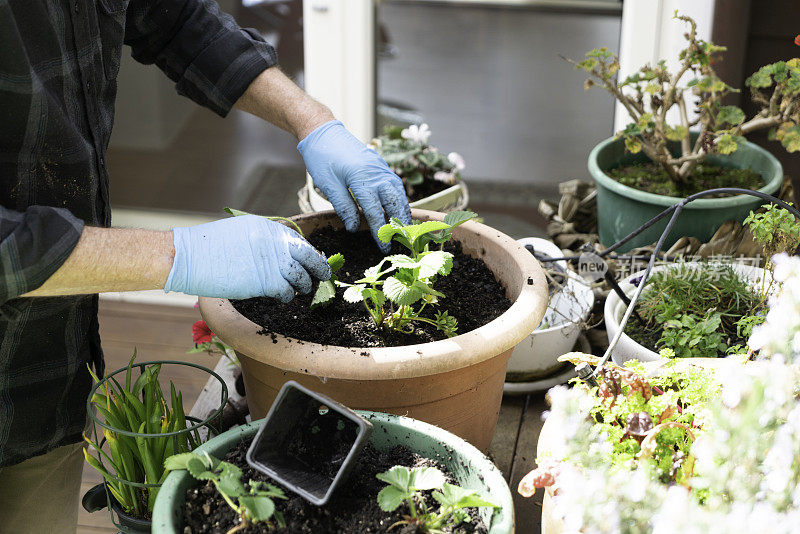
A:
x,y
340,164
242,257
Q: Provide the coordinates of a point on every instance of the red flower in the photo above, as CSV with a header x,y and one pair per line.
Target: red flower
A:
x,y
201,333
797,40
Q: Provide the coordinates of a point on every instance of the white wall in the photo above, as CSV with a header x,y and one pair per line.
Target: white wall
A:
x,y
339,48
649,34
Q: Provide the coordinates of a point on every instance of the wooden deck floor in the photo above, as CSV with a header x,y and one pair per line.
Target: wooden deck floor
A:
x,y
162,332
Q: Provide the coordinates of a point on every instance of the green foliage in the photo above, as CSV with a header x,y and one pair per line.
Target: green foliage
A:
x,y
629,405
252,502
326,290
788,134
651,92
413,161
137,406
405,485
775,229
689,336
696,311
391,289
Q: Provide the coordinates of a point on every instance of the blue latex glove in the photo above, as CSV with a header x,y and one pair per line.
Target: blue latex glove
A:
x,y
243,257
338,162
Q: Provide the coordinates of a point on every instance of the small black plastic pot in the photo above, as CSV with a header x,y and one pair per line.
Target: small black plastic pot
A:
x,y
97,498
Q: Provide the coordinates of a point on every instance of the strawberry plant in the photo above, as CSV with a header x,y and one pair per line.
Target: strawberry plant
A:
x,y
397,290
405,485
252,502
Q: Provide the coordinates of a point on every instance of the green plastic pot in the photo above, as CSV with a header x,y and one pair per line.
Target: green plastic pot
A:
x,y
622,209
469,466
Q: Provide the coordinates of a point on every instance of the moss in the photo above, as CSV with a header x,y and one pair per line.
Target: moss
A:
x,y
652,178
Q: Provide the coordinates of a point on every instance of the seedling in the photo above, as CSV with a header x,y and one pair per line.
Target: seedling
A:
x,y
327,288
252,502
293,224
138,407
391,289
775,229
406,486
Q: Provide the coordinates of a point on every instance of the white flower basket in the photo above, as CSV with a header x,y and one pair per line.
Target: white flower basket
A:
x,y
627,348
537,355
454,198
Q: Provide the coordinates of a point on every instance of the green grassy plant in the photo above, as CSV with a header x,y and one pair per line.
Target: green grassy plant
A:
x,y
137,406
702,311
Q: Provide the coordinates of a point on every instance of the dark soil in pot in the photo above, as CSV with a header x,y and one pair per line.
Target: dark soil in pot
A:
x,y
473,296
353,509
425,189
652,178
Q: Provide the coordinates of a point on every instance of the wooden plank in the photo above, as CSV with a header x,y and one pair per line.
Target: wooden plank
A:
x,y
504,442
528,511
209,398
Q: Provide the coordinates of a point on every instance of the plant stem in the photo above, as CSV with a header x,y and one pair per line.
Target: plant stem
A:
x,y
228,500
411,508
238,527
286,219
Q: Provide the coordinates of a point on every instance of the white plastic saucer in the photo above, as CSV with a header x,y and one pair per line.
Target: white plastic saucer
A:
x,y
543,384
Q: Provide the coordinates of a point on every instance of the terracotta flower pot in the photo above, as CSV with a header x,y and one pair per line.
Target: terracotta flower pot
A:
x,y
455,383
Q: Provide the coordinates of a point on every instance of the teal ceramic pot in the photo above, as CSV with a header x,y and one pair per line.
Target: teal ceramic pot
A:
x,y
469,466
622,209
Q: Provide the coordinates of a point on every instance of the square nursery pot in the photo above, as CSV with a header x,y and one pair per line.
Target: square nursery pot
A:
x,y
622,209
455,383
470,468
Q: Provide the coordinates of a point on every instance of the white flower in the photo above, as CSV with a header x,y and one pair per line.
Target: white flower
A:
x,y
457,161
418,134
446,177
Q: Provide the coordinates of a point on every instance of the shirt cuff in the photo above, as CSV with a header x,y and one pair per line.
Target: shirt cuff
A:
x,y
33,245
223,71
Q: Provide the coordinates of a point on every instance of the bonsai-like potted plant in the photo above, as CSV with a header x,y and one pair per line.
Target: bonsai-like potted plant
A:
x,y
653,162
432,179
691,449
467,487
426,331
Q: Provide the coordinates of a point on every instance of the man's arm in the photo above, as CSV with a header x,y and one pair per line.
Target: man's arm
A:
x,y
277,99
237,257
112,259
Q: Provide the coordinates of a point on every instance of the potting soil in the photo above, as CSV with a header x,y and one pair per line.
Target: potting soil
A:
x,y
652,178
472,295
353,509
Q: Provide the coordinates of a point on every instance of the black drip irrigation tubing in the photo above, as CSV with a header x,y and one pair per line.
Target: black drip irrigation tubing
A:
x,y
675,210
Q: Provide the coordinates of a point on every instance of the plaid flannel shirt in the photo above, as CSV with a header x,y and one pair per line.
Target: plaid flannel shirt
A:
x,y
58,66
